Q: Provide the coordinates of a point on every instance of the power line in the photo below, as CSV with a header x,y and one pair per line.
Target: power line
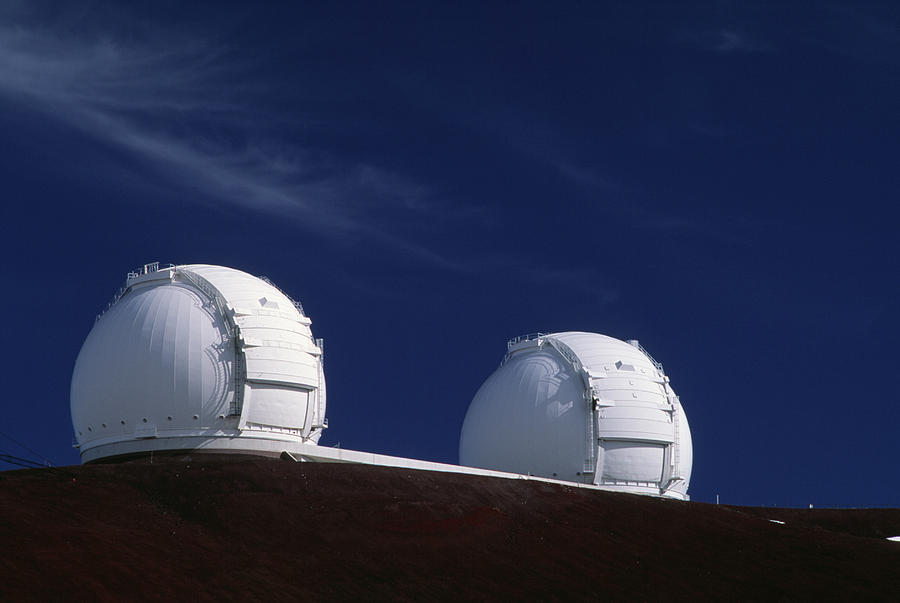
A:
x,y
17,460
46,462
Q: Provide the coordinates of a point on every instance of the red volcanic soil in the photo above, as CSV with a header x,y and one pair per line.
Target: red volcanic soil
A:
x,y
206,527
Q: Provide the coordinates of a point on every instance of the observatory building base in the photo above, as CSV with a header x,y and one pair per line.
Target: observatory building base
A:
x,y
313,453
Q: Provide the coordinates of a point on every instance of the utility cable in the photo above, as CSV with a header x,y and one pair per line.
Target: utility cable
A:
x,y
46,462
17,460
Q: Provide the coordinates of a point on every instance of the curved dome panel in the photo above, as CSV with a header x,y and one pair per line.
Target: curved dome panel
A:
x,y
197,356
534,398
156,359
581,407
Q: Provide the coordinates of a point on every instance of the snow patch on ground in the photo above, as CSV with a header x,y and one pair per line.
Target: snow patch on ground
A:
x,y
777,521
894,538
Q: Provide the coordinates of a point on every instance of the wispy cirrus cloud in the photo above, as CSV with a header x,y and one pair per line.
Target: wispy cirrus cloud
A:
x,y
186,109
584,177
725,40
729,40
869,33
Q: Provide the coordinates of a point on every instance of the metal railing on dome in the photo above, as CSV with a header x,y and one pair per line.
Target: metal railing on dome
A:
x,y
145,269
132,274
521,338
297,304
656,363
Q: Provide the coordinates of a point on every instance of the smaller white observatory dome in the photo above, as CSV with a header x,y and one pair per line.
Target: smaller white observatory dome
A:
x,y
581,407
198,357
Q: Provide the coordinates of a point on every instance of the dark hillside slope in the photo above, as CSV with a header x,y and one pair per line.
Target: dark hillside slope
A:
x,y
211,527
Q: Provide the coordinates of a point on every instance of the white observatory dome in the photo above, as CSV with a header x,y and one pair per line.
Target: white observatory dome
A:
x,y
198,357
581,407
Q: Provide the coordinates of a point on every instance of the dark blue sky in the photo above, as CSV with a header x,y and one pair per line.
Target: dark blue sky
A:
x,y
718,180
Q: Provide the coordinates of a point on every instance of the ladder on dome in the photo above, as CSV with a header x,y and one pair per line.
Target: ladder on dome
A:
x,y
676,444
674,468
233,331
591,462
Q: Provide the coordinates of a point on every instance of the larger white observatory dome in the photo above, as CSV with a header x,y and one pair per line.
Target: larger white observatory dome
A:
x,y
198,357
581,407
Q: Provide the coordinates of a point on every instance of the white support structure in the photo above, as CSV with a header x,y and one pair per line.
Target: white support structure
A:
x,y
312,453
